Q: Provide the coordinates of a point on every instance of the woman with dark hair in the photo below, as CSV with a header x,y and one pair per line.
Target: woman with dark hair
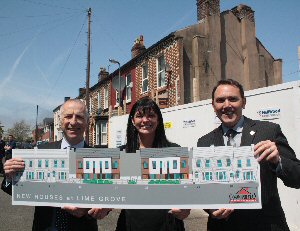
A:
x,y
145,129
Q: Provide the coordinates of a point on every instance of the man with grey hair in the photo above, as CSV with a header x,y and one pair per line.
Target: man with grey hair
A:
x,y
73,118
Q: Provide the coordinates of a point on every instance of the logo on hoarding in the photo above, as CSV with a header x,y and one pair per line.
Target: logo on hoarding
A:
x,y
168,125
189,123
242,196
270,113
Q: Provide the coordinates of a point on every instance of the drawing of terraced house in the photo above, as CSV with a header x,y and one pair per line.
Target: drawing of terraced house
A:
x,y
224,164
42,166
93,165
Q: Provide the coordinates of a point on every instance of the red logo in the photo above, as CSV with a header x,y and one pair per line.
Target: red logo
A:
x,y
243,196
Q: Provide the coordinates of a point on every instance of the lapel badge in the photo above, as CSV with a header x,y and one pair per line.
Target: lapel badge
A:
x,y
252,133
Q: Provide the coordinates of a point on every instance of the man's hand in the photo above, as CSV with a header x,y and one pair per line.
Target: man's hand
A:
x,y
266,150
76,212
220,213
12,166
180,213
99,213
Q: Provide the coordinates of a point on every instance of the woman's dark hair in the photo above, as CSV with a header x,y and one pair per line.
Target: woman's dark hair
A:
x,y
144,106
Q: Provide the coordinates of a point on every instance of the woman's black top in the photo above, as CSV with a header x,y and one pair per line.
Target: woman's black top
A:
x,y
148,219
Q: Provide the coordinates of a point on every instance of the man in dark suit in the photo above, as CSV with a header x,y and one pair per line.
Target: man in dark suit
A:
x,y
74,118
276,158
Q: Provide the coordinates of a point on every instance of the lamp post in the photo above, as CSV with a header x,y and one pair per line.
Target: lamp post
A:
x,y
116,62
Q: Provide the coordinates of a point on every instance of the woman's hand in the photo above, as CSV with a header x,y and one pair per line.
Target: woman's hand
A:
x,y
180,214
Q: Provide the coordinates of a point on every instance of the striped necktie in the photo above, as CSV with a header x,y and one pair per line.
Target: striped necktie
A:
x,y
230,137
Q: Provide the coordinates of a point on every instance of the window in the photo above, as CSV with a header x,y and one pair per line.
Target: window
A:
x,y
128,88
208,176
153,164
221,175
144,78
80,166
30,175
46,163
207,163
40,175
62,175
198,163
248,163
30,163
55,164
87,165
248,175
105,98
39,163
239,163
145,165
183,164
228,162
62,163
161,71
103,126
106,165
174,164
99,100
91,104
117,98
115,164
219,163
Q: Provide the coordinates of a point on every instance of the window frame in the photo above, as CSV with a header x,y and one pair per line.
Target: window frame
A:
x,y
145,79
160,70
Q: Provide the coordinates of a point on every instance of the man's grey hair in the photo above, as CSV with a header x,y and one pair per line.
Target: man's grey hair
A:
x,y
61,110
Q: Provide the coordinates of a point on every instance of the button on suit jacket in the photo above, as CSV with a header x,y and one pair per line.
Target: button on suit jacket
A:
x,y
271,216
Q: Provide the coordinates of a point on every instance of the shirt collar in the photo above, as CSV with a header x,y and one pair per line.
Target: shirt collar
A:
x,y
238,127
65,144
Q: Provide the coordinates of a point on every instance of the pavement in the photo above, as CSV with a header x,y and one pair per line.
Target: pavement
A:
x,y
14,218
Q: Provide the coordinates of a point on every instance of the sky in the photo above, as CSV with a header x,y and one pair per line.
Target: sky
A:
x,y
43,44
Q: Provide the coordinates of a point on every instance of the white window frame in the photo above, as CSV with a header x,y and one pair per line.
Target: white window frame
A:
x,y
97,140
103,125
145,80
105,98
117,99
161,72
128,88
91,104
99,100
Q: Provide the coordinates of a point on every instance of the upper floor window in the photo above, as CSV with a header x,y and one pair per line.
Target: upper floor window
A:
x,y
144,78
115,164
161,64
99,99
117,98
183,164
91,104
103,127
128,88
105,98
39,163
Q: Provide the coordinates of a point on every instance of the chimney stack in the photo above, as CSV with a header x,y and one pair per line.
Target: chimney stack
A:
x,y
67,98
102,74
81,91
138,47
242,11
207,8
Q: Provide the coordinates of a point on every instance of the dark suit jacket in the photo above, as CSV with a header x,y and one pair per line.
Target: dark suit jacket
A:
x,y
271,216
43,215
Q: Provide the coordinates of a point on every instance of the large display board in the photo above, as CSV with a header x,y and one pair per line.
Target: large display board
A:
x,y
208,177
